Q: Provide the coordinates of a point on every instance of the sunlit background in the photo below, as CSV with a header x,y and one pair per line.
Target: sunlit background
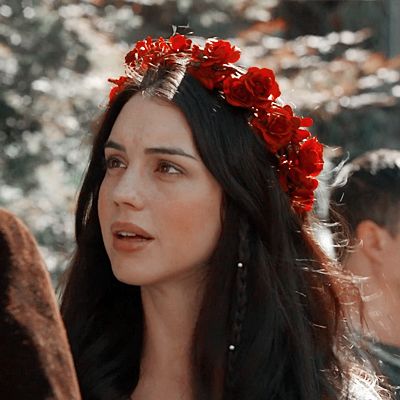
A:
x,y
337,61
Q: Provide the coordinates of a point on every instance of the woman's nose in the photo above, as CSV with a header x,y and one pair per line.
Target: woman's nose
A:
x,y
129,190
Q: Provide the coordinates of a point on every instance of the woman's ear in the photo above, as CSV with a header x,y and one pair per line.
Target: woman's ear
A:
x,y
373,239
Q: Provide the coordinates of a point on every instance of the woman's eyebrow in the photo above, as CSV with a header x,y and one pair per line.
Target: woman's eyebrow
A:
x,y
168,150
115,145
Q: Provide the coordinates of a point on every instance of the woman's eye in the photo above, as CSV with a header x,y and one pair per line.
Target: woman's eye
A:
x,y
113,162
168,168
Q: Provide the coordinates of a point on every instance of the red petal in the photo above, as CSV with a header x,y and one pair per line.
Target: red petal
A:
x,y
306,122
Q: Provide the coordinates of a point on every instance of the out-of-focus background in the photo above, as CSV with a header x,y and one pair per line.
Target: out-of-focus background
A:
x,y
336,60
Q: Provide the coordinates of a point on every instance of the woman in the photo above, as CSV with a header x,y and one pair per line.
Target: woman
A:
x,y
195,274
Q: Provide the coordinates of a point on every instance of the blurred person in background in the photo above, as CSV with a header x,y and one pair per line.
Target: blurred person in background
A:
x,y
366,197
35,358
195,274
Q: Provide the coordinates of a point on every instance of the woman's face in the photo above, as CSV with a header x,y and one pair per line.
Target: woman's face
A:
x,y
159,206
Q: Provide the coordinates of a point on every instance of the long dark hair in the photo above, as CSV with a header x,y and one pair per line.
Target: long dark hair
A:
x,y
266,330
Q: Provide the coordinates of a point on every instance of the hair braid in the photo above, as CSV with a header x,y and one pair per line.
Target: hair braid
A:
x,y
239,309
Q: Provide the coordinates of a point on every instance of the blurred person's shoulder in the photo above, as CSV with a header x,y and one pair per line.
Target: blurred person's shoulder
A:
x,y
16,238
11,224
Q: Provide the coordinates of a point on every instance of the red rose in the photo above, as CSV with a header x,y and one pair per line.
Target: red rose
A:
x,y
298,179
120,83
219,52
141,48
206,76
256,88
180,42
302,194
276,125
261,83
302,200
148,51
197,54
209,64
302,189
209,76
161,46
302,134
310,157
297,170
236,92
306,122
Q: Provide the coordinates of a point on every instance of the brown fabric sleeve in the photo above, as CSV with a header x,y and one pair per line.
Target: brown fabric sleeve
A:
x,y
35,358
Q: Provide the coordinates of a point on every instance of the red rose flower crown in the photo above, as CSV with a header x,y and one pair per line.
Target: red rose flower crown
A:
x,y
300,156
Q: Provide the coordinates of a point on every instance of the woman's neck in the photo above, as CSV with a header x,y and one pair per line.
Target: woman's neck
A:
x,y
170,314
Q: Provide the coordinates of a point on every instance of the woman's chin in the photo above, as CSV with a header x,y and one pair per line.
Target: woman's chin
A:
x,y
134,278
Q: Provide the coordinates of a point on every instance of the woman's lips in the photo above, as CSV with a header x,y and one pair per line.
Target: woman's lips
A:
x,y
130,244
128,227
129,237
